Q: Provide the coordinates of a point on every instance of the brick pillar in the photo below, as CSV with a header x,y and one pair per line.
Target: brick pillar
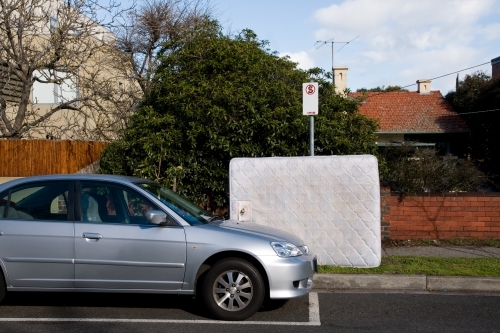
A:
x,y
385,210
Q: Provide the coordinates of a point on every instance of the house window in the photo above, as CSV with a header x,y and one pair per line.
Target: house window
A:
x,y
54,24
54,93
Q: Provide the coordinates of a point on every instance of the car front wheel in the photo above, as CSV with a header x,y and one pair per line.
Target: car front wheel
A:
x,y
233,289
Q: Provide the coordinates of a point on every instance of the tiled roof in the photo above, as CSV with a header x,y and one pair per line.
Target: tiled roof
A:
x,y
411,112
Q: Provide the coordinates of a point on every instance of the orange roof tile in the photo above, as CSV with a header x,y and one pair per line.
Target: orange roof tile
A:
x,y
411,112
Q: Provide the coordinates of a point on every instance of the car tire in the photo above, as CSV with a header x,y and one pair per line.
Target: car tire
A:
x,y
3,288
233,289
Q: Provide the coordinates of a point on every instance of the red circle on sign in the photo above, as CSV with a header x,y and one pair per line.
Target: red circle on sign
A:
x,y
310,89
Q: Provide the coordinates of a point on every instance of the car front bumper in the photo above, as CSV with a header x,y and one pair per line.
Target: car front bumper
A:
x,y
290,277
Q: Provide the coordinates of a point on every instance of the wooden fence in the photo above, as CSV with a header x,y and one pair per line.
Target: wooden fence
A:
x,y
23,158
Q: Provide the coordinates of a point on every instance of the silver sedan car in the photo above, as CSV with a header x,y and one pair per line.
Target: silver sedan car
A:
x,y
121,234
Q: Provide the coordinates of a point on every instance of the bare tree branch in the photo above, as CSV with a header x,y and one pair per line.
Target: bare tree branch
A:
x,y
78,69
53,43
151,25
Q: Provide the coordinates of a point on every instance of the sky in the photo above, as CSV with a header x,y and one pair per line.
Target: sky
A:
x,y
392,42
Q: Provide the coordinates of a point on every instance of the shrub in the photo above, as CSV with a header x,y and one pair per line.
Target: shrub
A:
x,y
423,170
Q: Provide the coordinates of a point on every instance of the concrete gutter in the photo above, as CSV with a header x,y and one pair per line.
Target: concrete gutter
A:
x,y
406,282
460,283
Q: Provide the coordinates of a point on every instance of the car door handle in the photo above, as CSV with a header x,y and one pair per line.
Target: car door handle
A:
x,y
91,235
1,232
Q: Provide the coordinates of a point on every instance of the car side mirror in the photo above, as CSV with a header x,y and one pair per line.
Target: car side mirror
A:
x,y
156,217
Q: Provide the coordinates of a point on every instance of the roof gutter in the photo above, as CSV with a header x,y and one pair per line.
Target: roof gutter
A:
x,y
462,132
398,144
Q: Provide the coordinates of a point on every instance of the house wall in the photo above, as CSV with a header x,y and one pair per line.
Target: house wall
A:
x,y
446,143
97,76
495,67
388,138
441,216
100,75
56,8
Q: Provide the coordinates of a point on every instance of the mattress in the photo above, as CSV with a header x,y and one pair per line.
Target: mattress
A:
x,y
331,202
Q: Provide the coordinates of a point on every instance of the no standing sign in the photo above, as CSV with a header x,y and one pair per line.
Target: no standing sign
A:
x,y
310,98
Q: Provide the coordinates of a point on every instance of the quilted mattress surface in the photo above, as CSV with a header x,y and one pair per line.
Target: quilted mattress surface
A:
x,y
331,202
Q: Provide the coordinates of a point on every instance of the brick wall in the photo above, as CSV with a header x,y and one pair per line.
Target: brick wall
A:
x,y
441,216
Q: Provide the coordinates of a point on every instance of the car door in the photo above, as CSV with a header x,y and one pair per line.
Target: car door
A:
x,y
117,249
37,235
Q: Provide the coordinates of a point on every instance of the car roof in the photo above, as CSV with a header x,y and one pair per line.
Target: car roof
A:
x,y
88,177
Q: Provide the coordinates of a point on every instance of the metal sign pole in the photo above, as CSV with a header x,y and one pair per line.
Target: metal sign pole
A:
x,y
311,135
310,108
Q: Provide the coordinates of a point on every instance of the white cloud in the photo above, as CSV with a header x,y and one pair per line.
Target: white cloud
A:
x,y
374,56
361,16
412,39
402,26
444,61
302,58
491,32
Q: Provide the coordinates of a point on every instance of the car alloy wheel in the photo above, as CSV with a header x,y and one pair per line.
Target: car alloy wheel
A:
x,y
233,289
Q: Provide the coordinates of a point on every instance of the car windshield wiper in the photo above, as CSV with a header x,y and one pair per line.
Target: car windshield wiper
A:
x,y
216,218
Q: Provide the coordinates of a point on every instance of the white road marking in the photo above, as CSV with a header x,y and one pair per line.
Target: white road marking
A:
x,y
313,319
314,309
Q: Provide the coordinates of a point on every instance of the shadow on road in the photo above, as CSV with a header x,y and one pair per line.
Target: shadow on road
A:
x,y
97,301
114,305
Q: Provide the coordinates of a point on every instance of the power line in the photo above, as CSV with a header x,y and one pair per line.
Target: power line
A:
x,y
437,77
474,112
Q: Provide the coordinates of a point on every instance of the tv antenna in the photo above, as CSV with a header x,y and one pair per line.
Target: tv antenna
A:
x,y
321,43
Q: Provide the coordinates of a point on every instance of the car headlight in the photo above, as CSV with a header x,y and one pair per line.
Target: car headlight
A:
x,y
286,250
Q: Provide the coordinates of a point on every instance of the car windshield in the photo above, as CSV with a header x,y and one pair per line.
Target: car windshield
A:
x,y
190,212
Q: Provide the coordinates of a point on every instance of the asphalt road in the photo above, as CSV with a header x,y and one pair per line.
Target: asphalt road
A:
x,y
319,312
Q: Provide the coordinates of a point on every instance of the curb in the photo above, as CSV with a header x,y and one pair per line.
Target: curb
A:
x,y
406,282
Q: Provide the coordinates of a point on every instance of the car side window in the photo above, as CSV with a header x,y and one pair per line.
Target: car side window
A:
x,y
109,203
137,207
40,201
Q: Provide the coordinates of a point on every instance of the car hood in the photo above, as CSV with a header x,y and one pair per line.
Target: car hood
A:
x,y
270,233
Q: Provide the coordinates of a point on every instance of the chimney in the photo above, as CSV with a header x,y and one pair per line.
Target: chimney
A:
x,y
495,67
340,79
424,86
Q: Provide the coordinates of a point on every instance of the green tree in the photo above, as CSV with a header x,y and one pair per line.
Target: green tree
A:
x,y
477,100
382,89
216,97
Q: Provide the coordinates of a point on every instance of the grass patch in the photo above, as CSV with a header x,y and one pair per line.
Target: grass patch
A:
x,y
425,266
